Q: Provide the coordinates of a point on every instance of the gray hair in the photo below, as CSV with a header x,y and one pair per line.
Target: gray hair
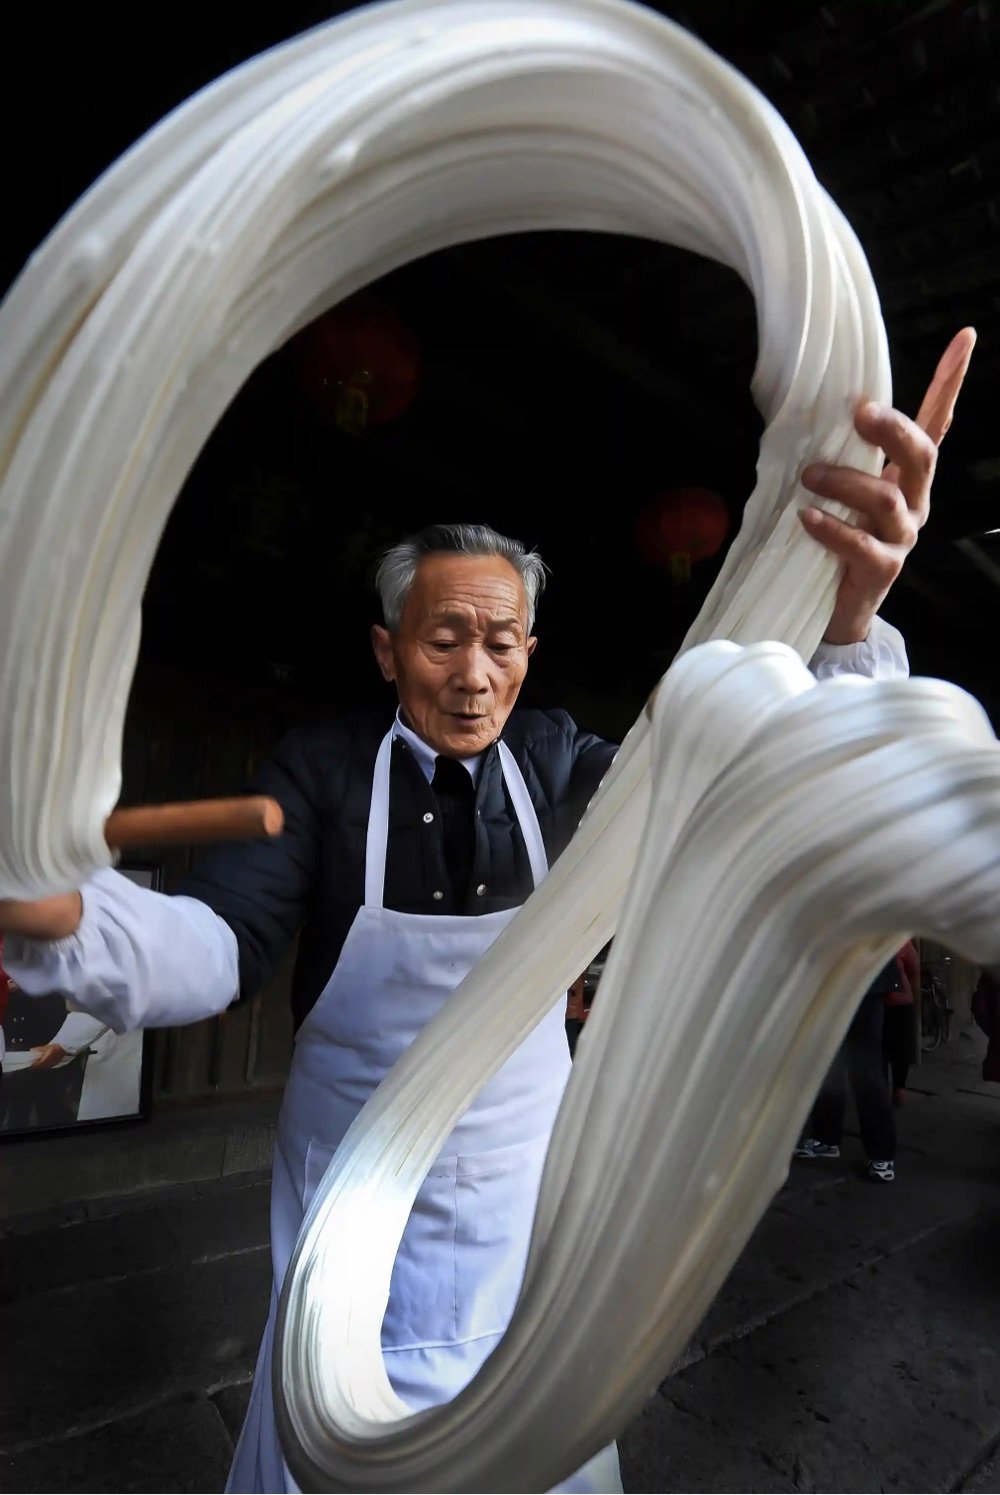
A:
x,y
398,566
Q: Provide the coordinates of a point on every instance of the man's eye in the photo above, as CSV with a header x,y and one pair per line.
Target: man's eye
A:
x,y
502,648
443,643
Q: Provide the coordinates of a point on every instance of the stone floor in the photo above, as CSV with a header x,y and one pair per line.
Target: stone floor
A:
x,y
855,1347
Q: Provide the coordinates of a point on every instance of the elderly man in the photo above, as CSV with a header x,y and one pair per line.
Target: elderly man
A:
x,y
410,841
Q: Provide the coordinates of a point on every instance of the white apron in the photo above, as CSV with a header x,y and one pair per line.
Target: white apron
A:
x,y
462,1256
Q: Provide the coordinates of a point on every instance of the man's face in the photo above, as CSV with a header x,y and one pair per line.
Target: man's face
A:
x,y
461,652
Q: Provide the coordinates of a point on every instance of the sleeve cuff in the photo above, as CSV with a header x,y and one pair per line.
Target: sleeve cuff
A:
x,y
881,656
138,958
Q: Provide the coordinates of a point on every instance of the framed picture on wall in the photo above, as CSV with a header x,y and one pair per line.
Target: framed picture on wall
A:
x,y
62,1070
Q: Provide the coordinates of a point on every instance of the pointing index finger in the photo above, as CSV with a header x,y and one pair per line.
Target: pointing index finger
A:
x,y
938,405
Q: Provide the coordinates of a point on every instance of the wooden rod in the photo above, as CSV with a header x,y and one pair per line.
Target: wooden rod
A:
x,y
196,821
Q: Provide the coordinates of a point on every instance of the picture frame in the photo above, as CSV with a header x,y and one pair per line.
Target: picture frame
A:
x,y
89,1077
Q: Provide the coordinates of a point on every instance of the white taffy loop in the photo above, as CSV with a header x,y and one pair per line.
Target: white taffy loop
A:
x,y
289,184
796,834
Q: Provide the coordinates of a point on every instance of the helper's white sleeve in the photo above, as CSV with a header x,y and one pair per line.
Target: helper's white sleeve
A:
x,y
138,960
882,656
78,1032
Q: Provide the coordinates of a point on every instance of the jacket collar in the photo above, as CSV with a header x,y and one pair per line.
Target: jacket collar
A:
x,y
425,754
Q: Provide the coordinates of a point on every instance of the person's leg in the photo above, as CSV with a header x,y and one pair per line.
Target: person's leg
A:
x,y
865,1068
896,1047
825,1128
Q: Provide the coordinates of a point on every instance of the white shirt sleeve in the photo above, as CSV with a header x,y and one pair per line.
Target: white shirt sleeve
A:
x,y
78,1032
139,959
882,656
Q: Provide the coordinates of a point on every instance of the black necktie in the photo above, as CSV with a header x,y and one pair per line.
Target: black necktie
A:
x,y
456,797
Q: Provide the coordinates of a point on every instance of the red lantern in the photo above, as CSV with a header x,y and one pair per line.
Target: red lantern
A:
x,y
681,527
358,363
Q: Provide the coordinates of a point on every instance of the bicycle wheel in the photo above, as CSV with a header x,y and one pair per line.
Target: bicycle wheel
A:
x,y
932,1024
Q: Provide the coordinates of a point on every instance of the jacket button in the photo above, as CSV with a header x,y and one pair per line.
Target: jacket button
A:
x,y
481,889
428,817
438,896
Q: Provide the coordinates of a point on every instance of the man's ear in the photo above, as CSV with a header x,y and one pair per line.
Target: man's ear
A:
x,y
529,647
384,653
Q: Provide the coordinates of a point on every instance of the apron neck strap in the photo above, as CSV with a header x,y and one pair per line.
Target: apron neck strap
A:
x,y
378,826
525,812
378,821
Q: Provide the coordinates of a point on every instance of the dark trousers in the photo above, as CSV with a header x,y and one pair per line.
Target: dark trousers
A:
x,y
39,1099
859,1063
899,1042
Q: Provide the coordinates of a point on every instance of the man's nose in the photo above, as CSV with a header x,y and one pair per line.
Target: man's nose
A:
x,y
470,669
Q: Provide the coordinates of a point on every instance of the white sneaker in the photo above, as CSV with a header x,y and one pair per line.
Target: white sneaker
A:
x,y
811,1147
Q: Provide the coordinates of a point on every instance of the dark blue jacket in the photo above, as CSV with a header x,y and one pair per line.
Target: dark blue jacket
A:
x,y
311,878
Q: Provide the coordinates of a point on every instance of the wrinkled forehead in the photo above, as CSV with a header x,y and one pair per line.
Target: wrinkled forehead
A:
x,y
483,589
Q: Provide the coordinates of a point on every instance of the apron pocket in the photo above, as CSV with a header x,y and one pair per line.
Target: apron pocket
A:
x,y
460,1263
421,1308
495,1197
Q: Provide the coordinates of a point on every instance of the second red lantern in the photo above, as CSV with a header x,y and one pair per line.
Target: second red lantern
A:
x,y
681,527
359,363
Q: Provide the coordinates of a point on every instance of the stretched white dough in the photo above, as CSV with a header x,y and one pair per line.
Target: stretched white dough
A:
x,y
796,834
287,185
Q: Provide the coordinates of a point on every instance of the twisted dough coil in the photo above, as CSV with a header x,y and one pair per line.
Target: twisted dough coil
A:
x,y
287,185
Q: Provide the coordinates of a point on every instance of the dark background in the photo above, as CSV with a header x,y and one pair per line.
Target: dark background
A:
x,y
566,379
